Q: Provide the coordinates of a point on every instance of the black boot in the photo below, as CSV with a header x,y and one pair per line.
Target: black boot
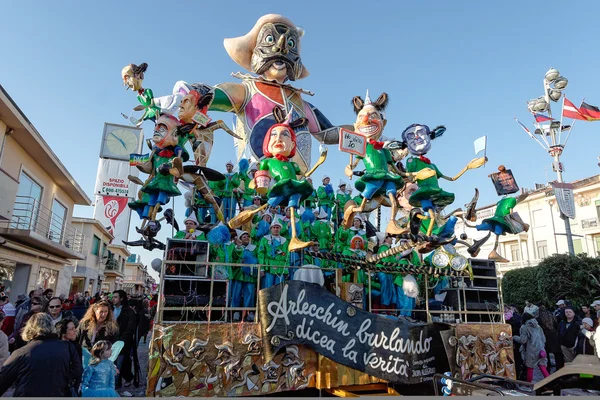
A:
x,y
473,250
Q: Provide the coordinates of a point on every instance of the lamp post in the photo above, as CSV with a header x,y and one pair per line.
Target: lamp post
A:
x,y
554,84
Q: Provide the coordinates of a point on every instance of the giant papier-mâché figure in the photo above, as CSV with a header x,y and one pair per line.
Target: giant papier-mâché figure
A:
x,y
279,148
272,51
133,77
381,179
429,196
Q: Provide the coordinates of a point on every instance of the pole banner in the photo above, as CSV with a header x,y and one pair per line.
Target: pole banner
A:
x,y
565,198
398,351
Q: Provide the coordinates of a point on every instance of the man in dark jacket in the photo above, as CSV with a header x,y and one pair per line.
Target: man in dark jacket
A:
x,y
44,367
126,319
568,330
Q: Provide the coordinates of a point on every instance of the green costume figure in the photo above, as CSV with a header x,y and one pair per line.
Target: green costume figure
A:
x,y
326,197
191,230
355,248
243,279
272,251
223,253
341,239
133,75
341,198
386,280
322,231
357,229
228,191
262,227
248,193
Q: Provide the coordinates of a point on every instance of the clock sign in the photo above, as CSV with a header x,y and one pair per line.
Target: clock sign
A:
x,y
119,141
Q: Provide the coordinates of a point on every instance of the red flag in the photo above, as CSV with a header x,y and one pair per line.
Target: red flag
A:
x,y
571,111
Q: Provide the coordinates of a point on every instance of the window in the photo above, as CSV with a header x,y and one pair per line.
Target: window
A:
x,y
578,246
57,223
95,245
515,252
538,218
27,204
542,249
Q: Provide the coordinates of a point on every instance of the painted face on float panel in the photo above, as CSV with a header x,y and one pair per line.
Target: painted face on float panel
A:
x,y
164,132
417,140
370,122
280,142
187,108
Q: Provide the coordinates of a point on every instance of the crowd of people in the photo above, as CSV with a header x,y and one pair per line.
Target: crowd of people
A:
x,y
563,333
77,338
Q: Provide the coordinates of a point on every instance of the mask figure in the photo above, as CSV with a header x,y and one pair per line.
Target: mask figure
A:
x,y
271,50
133,77
279,147
381,179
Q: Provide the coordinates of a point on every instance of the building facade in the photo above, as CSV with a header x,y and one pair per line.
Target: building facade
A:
x,y
88,274
114,269
135,282
37,197
546,235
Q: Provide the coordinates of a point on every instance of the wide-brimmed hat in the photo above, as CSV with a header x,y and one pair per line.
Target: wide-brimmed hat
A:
x,y
240,49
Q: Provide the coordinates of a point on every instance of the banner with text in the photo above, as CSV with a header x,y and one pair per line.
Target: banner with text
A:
x,y
112,179
304,313
352,142
114,214
565,199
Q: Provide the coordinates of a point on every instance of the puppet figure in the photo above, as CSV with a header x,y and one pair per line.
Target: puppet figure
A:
x,y
279,147
133,77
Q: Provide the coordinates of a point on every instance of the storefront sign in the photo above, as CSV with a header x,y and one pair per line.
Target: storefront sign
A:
x,y
304,313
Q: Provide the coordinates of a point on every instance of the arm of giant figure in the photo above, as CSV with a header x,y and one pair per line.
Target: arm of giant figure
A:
x,y
473,164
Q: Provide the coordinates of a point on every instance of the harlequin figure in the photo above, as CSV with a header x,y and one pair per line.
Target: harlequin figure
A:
x,y
191,230
272,251
272,51
243,284
341,198
288,190
326,196
429,196
166,163
133,76
381,178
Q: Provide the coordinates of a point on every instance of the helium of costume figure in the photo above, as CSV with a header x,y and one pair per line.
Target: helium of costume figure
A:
x,y
133,76
191,230
504,221
341,198
326,196
388,291
271,50
243,284
377,182
279,146
429,196
272,252
322,231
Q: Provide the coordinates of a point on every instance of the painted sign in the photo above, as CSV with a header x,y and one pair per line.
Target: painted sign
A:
x,y
304,313
352,142
112,179
504,182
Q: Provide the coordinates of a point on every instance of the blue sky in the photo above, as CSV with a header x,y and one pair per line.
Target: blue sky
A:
x,y
469,65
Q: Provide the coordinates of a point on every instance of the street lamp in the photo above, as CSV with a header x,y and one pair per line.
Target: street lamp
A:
x,y
554,84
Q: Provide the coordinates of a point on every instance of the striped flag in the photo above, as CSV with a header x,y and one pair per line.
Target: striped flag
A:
x,y
591,113
541,117
138,159
571,111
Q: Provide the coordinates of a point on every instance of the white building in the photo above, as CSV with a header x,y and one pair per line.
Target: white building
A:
x,y
546,234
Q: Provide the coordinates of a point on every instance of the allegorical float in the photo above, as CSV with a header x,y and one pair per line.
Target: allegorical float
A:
x,y
273,299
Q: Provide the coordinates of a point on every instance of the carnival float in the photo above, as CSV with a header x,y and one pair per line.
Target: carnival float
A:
x,y
273,299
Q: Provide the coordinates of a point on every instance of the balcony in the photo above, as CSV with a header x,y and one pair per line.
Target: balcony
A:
x,y
36,226
590,223
113,268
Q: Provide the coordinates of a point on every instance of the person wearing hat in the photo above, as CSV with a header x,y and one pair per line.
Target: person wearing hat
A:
x,y
215,187
596,306
322,231
341,198
243,279
228,190
356,248
591,334
272,251
262,227
249,193
357,227
559,313
585,346
326,196
191,230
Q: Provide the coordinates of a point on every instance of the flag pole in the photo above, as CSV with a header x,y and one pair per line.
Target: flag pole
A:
x,y
543,133
561,118
530,135
572,125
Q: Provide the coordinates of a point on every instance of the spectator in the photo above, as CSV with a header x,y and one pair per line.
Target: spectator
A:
x,y
29,369
54,309
24,307
585,313
36,305
48,294
143,319
79,308
96,298
531,309
568,330
550,327
99,376
596,306
533,342
4,353
584,346
98,323
20,300
559,313
67,332
593,337
126,321
9,312
513,318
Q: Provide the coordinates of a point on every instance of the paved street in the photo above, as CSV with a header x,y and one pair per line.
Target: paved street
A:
x,y
143,351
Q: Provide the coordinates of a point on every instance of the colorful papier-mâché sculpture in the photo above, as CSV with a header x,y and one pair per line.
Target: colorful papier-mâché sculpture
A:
x,y
272,51
279,147
133,77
